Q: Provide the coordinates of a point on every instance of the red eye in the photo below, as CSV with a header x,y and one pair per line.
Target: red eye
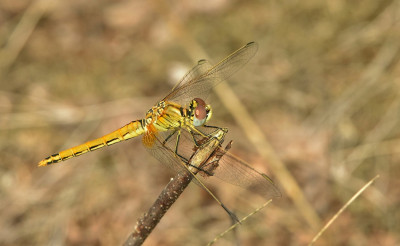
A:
x,y
200,112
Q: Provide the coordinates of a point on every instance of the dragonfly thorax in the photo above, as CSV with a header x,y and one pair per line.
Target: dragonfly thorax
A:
x,y
169,115
165,116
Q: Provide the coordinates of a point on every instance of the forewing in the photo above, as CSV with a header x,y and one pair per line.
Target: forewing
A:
x,y
198,81
201,67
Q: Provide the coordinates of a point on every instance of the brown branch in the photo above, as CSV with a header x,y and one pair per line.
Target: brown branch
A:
x,y
207,152
149,220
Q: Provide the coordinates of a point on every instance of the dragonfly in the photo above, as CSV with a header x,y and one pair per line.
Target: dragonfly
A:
x,y
184,112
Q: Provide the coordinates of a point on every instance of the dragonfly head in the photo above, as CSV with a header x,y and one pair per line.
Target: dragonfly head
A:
x,y
200,112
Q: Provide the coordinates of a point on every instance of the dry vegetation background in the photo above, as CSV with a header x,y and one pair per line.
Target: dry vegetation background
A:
x,y
323,88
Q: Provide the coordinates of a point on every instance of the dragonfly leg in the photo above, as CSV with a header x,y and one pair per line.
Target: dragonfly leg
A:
x,y
169,136
216,129
183,158
193,134
208,136
202,170
178,137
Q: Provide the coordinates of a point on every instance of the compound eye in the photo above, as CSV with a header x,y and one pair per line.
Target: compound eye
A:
x,y
200,113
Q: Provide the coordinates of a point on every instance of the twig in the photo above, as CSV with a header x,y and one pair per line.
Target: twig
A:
x,y
165,200
145,225
342,209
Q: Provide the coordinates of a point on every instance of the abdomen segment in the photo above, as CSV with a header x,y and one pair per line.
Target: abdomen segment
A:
x,y
131,130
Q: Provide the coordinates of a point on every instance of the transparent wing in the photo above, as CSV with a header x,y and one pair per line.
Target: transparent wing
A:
x,y
232,170
200,79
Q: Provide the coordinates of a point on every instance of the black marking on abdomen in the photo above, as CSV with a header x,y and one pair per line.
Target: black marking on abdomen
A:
x,y
97,146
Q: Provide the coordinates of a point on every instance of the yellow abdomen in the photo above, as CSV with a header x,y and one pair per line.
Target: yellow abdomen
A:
x,y
131,130
163,117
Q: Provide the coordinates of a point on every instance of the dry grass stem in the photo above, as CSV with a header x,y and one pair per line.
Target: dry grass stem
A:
x,y
238,223
21,33
352,199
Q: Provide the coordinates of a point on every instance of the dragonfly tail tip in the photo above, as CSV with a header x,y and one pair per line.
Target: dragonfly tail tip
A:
x,y
42,164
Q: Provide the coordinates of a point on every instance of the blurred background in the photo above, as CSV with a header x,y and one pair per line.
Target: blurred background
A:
x,y
320,101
